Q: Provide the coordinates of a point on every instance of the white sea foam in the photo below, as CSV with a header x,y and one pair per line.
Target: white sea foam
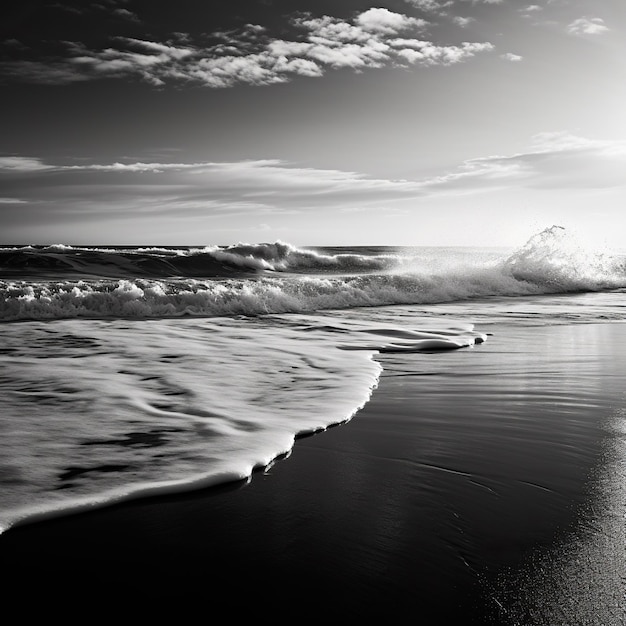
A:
x,y
178,298
97,411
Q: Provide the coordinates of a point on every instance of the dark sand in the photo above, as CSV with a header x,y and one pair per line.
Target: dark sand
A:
x,y
481,486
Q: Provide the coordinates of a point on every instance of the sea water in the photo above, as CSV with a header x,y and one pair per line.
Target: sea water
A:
x,y
126,372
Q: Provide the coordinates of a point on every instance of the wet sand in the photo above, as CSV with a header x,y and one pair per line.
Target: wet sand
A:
x,y
481,486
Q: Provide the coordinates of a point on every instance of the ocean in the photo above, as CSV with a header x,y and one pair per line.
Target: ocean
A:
x,y
128,372
131,371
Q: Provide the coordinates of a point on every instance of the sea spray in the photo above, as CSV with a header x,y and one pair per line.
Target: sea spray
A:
x,y
555,260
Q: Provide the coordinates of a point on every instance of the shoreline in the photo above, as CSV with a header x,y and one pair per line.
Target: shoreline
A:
x,y
445,481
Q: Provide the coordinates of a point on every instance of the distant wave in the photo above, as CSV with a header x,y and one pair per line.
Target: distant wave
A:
x,y
550,262
207,262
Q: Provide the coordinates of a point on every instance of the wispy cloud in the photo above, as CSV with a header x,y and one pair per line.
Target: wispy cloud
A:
x,y
12,201
447,9
70,9
510,56
14,43
531,10
272,184
463,22
430,6
195,201
555,160
126,14
375,38
22,164
113,7
587,26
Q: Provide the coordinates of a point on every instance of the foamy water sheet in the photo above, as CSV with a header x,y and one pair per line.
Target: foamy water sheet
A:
x,y
95,411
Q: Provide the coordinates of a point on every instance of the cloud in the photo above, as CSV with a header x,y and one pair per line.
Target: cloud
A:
x,y
387,22
21,164
587,26
126,14
563,141
267,184
135,167
105,5
530,11
213,194
425,53
478,175
440,8
12,201
250,56
67,8
14,43
462,21
510,56
430,6
555,160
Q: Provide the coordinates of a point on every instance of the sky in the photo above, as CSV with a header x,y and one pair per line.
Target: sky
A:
x,y
403,122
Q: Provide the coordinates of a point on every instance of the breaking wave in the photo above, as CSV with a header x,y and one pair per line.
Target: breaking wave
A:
x,y
287,279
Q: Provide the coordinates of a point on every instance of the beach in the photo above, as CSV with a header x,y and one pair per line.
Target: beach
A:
x,y
477,486
313,312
